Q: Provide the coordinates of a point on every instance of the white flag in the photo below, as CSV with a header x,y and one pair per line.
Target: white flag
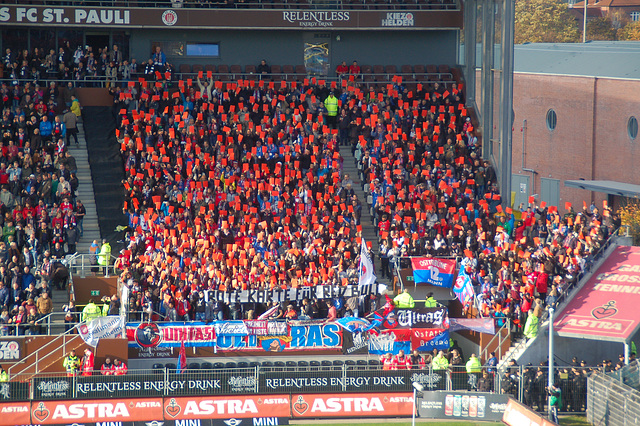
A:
x,y
366,266
109,327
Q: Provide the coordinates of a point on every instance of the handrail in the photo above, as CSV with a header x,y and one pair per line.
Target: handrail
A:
x,y
54,342
564,296
86,265
102,81
485,351
581,274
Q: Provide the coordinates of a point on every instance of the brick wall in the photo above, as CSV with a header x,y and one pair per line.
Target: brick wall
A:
x,y
590,140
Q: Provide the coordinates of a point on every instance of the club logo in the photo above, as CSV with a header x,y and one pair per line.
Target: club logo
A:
x,y
301,406
169,17
148,335
605,311
41,413
173,409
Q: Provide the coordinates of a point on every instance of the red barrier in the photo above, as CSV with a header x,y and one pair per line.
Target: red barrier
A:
x,y
91,411
352,405
15,413
225,406
212,407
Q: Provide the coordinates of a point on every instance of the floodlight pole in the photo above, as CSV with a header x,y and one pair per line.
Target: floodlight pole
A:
x,y
551,349
584,22
415,407
416,387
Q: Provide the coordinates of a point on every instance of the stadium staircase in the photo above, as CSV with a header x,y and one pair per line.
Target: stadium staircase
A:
x,y
90,224
47,358
520,346
369,230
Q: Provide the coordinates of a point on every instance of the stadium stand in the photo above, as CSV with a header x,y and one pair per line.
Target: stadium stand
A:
x,y
39,215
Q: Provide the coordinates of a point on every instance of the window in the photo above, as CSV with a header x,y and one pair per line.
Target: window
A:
x,y
632,128
552,119
635,16
203,49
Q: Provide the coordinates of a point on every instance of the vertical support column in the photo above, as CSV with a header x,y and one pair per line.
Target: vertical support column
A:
x,y
488,35
550,379
470,12
626,353
506,100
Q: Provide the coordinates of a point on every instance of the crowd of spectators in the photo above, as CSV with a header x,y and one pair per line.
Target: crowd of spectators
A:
x,y
40,217
240,186
234,186
79,67
432,195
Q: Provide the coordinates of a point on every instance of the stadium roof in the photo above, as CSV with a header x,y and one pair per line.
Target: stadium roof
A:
x,y
606,307
616,59
607,186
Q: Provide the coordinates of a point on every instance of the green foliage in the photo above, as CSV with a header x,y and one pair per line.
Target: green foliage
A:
x,y
600,29
631,31
630,216
544,21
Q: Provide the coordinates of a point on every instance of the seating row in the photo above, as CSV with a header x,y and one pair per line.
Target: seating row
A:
x,y
369,73
372,363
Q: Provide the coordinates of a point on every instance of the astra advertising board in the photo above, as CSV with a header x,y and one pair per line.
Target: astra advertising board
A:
x,y
224,407
351,405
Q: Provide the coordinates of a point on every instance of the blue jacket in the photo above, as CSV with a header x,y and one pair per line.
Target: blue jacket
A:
x,y
46,128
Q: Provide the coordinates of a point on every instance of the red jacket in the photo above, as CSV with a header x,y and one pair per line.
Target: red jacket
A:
x,y
542,282
403,363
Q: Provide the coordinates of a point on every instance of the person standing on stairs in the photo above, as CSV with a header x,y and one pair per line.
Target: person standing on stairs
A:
x,y
70,120
104,257
384,259
81,212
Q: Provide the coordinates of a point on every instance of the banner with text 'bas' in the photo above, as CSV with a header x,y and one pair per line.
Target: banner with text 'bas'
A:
x,y
438,272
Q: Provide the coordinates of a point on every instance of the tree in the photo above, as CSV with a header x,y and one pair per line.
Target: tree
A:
x,y
544,21
630,217
631,31
600,29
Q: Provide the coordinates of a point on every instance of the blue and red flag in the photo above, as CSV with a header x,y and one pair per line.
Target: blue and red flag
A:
x,y
433,271
182,359
463,288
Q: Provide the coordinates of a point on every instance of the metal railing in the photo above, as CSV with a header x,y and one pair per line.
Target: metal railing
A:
x,y
280,377
44,354
83,263
528,385
366,79
503,334
564,297
610,402
256,4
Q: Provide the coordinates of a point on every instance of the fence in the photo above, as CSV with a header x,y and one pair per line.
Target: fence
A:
x,y
611,402
273,378
366,80
528,385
